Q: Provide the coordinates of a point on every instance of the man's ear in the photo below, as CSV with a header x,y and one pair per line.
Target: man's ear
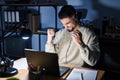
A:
x,y
75,18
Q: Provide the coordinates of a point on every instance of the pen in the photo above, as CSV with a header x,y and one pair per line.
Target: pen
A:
x,y
38,68
31,66
82,76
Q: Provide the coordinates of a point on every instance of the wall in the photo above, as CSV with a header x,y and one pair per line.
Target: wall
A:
x,y
108,8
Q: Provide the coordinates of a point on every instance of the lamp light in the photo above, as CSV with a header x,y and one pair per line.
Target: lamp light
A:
x,y
25,33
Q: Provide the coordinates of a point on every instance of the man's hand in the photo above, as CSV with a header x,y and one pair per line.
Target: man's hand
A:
x,y
77,37
51,33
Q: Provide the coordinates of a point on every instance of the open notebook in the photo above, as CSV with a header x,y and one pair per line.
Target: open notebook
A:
x,y
82,74
47,62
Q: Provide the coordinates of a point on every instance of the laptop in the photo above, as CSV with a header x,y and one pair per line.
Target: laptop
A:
x,y
45,62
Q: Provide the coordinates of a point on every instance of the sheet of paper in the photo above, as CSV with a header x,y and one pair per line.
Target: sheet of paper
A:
x,y
82,74
21,64
75,75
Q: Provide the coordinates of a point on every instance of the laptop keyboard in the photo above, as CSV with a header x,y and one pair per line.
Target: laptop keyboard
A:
x,y
63,70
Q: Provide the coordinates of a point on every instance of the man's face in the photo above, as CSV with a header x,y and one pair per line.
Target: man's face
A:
x,y
68,23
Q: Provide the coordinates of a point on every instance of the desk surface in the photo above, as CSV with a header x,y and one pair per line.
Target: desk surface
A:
x,y
21,65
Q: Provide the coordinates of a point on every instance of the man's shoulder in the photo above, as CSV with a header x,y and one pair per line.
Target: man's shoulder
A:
x,y
86,29
61,31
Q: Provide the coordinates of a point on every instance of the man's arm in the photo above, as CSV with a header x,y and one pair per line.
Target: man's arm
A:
x,y
49,47
90,52
89,48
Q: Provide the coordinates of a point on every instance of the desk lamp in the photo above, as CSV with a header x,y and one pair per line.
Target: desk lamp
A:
x,y
6,64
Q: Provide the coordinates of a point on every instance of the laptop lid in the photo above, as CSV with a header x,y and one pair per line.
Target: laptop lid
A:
x,y
47,62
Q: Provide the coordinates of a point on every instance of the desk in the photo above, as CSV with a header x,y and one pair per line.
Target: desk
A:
x,y
21,65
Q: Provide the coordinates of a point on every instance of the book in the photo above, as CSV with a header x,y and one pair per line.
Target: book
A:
x,y
82,74
34,22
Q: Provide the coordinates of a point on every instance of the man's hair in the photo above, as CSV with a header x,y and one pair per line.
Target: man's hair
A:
x,y
67,11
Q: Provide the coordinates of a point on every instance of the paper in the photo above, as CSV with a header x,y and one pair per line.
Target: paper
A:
x,y
21,64
75,75
82,74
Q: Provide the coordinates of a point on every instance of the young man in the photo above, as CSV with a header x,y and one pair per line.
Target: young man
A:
x,y
75,44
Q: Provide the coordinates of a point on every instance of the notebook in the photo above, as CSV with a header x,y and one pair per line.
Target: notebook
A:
x,y
45,62
82,74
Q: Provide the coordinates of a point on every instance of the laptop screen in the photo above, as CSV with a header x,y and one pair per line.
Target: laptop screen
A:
x,y
47,62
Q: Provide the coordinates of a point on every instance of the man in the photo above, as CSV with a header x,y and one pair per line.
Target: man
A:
x,y
75,44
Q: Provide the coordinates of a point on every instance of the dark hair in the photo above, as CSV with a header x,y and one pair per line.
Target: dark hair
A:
x,y
67,11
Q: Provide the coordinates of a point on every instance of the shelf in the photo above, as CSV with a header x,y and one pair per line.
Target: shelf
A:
x,y
42,4
110,36
40,32
23,17
38,5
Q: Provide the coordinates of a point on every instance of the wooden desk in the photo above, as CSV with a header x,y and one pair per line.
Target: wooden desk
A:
x,y
22,67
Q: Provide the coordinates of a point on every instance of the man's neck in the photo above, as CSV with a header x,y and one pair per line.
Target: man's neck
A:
x,y
78,26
